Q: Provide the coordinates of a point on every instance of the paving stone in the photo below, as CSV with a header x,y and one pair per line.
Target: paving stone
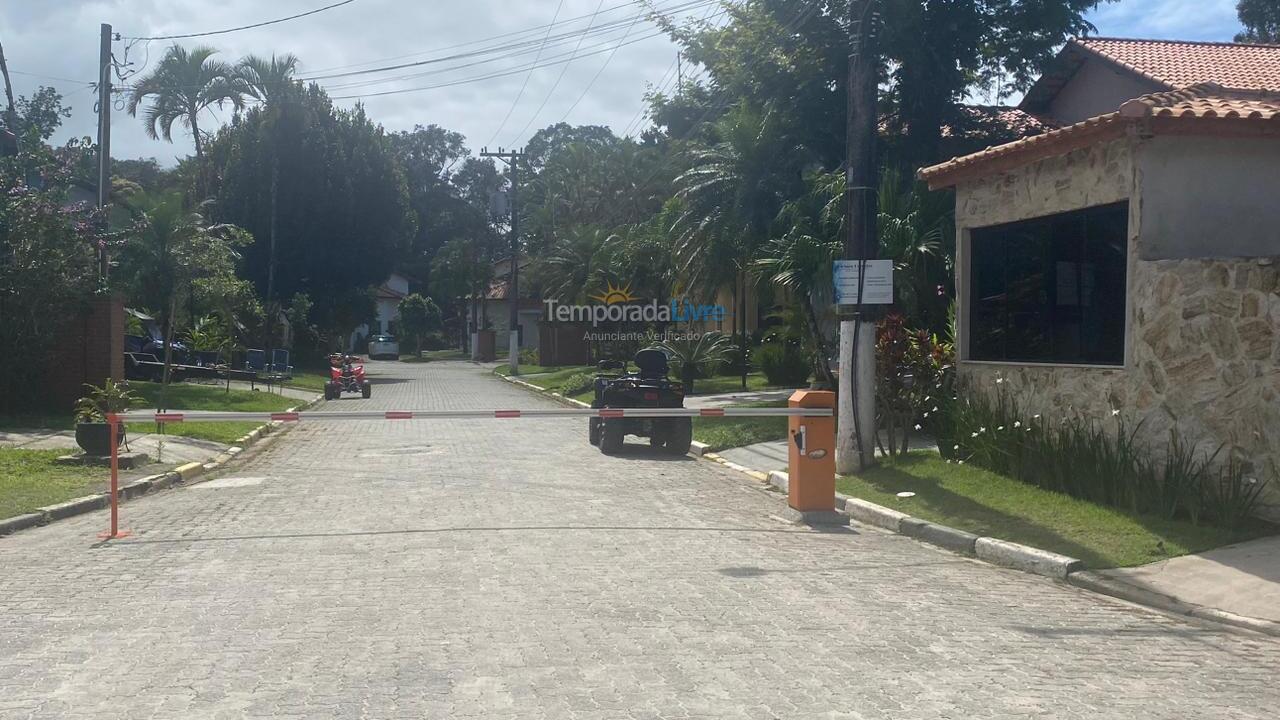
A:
x,y
473,568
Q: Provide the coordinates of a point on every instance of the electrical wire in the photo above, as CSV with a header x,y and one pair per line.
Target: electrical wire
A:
x,y
603,65
527,31
498,74
243,27
563,69
525,84
506,47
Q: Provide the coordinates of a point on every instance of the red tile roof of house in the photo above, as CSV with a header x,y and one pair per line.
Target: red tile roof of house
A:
x,y
1203,102
1179,63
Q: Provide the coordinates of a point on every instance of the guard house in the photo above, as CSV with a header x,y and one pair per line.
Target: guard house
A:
x,y
1129,258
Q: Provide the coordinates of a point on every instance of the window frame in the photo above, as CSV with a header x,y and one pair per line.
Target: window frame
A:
x,y
965,284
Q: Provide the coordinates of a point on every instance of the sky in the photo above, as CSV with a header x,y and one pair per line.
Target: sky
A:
x,y
58,41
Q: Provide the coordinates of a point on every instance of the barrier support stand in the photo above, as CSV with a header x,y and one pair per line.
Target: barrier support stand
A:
x,y
114,422
811,462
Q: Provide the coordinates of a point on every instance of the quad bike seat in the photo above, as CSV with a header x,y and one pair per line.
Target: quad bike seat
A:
x,y
652,364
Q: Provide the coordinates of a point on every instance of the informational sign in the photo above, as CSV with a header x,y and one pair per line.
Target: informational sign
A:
x,y
877,286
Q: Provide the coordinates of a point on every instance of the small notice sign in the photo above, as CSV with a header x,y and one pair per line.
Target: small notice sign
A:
x,y
877,287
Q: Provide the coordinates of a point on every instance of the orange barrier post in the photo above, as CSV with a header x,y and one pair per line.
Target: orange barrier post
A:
x,y
811,461
113,421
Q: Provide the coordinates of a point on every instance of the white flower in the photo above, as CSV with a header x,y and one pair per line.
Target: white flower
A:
x,y
982,429
974,435
1017,423
999,428
1115,413
935,409
959,462
999,380
1035,417
957,447
917,426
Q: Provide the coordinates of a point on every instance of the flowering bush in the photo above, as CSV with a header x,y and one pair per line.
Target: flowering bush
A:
x,y
48,267
913,372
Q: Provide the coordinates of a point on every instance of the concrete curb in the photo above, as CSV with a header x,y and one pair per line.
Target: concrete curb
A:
x,y
699,448
872,514
946,537
1101,584
141,486
1027,559
543,391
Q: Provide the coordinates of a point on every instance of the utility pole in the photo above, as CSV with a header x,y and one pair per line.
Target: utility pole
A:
x,y
11,110
856,441
104,135
512,159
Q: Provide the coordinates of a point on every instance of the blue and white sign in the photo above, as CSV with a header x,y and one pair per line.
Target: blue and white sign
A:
x,y
877,287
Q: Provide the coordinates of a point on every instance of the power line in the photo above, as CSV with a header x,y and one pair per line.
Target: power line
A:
x,y
507,47
243,27
670,76
514,33
490,76
603,65
564,68
525,84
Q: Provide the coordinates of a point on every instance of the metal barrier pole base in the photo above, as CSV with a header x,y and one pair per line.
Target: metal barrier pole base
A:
x,y
833,518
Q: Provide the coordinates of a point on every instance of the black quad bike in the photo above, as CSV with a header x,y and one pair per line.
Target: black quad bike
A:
x,y
648,387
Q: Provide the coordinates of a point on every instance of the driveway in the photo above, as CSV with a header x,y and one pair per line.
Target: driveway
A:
x,y
506,569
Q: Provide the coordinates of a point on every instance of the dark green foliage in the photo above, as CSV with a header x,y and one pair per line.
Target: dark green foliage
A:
x,y
419,317
784,362
1261,20
343,216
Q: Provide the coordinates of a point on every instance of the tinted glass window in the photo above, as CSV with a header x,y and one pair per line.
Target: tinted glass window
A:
x,y
1050,289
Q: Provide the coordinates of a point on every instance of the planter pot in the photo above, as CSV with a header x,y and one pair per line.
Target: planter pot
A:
x,y
95,438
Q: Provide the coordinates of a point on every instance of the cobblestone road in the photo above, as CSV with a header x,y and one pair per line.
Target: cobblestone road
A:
x,y
505,569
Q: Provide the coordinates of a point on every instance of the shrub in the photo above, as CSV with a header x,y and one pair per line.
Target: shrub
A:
x,y
1096,460
528,356
913,370
783,362
577,383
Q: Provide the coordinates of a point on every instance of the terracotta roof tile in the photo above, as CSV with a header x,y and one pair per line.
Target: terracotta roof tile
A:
x,y
1204,101
1177,63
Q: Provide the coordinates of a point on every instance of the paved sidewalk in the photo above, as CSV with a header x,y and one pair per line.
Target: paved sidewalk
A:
x,y
772,455
506,569
1243,579
169,449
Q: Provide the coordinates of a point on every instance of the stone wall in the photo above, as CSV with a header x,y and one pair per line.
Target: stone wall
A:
x,y
1203,335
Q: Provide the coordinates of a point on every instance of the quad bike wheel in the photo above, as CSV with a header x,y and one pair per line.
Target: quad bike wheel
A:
x,y
329,393
678,435
593,430
366,390
611,435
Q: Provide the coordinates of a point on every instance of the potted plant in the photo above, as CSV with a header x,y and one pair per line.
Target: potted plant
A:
x,y
93,434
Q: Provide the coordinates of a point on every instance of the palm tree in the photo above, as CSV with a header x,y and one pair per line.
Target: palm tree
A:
x,y
731,195
697,354
182,85
800,262
271,81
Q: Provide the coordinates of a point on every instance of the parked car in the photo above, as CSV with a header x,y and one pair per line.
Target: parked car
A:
x,y
383,347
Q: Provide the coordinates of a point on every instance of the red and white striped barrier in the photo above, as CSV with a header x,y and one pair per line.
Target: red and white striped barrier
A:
x,y
215,416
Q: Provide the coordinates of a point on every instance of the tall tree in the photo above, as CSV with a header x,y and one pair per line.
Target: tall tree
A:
x,y
1261,20
343,217
184,84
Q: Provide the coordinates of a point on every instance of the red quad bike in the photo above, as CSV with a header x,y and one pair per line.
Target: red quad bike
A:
x,y
346,374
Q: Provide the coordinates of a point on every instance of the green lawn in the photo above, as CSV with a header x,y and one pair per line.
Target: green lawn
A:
x,y
731,432
730,383
182,396
186,396
313,380
29,479
505,370
981,502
